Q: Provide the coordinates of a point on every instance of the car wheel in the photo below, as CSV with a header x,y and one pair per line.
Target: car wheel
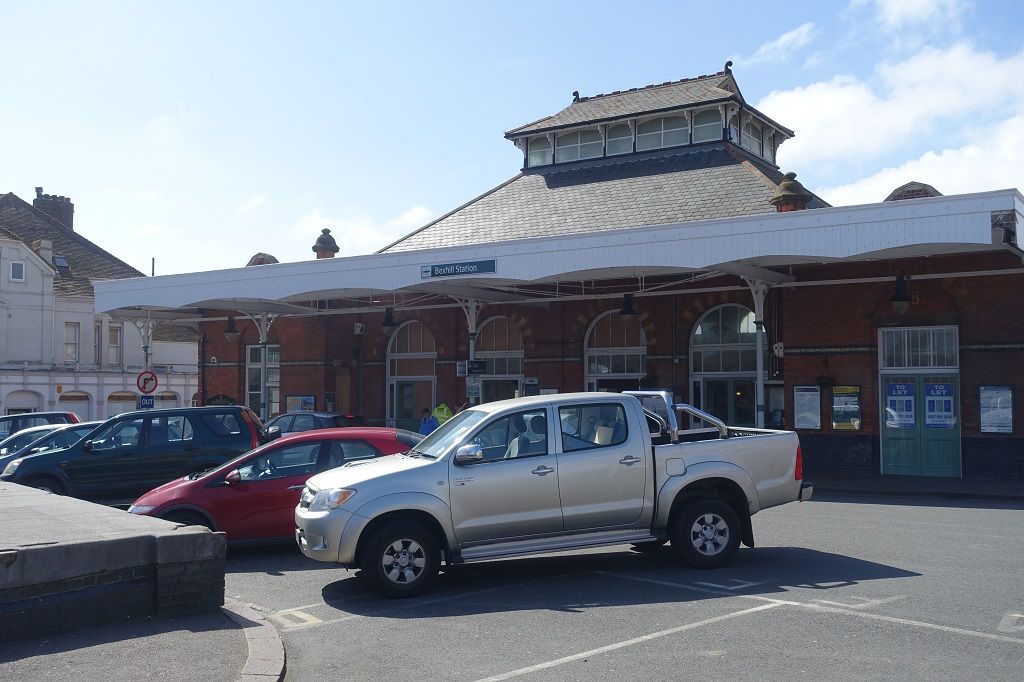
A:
x,y
706,534
188,518
45,483
400,560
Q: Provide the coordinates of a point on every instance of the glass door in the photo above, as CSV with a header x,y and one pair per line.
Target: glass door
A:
x,y
729,399
406,400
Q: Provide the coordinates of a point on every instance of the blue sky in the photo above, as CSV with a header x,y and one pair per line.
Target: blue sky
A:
x,y
199,133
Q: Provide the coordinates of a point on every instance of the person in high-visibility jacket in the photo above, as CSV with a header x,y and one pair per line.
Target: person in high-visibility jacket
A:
x,y
443,413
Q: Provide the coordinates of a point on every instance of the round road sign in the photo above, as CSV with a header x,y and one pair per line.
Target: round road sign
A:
x,y
146,381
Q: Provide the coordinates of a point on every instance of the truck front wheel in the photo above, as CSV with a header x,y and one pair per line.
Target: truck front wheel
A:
x,y
706,534
401,559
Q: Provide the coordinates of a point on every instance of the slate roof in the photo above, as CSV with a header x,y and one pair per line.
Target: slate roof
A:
x,y
22,221
714,180
716,87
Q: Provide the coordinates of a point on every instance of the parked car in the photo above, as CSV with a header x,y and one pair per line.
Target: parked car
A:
x,y
12,423
295,422
137,451
253,497
39,438
545,474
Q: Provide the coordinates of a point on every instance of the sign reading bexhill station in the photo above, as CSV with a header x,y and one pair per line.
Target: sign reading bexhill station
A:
x,y
453,269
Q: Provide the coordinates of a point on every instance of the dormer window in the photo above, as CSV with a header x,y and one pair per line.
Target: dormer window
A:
x,y
769,147
668,131
539,153
579,144
619,139
707,126
751,140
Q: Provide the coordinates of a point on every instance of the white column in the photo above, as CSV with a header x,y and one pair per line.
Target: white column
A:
x,y
471,307
758,288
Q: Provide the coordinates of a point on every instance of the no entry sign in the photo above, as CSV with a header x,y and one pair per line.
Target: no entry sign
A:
x,y
146,381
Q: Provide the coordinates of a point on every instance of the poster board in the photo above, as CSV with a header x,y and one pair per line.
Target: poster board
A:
x,y
300,403
900,410
938,406
996,407
846,408
806,407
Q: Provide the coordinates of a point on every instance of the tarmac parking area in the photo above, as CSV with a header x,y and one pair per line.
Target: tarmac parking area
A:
x,y
851,588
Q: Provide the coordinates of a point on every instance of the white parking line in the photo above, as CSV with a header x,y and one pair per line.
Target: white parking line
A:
x,y
865,603
628,642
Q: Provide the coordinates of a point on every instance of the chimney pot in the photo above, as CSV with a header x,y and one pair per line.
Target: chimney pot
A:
x,y
325,246
790,195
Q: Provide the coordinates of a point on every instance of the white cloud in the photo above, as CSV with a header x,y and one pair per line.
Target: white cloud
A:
x,y
939,94
356,232
254,202
782,47
153,230
897,15
991,161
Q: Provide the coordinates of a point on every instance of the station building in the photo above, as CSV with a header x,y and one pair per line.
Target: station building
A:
x,y
650,240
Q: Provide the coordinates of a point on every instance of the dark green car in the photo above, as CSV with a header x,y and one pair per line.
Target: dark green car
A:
x,y
135,452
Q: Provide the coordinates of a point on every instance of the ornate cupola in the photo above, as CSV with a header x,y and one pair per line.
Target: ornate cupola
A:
x,y
655,119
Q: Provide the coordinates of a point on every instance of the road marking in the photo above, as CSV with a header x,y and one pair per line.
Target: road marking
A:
x,y
738,586
1009,623
628,642
831,609
865,602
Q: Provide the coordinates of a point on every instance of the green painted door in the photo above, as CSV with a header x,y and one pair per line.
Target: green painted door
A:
x,y
920,425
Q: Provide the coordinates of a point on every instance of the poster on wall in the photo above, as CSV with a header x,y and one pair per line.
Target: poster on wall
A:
x,y
996,404
846,408
899,406
300,403
938,406
806,407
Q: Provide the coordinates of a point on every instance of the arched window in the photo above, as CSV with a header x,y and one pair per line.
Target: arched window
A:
x,y
579,144
78,402
707,126
668,131
165,399
500,345
734,129
723,363
619,139
539,151
616,353
751,138
411,374
120,402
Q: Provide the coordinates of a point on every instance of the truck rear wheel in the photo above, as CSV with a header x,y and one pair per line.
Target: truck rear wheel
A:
x,y
706,534
400,559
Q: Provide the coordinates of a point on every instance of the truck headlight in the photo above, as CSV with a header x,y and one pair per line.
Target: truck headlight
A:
x,y
12,467
331,498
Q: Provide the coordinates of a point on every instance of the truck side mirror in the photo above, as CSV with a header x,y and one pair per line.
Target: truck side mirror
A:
x,y
469,454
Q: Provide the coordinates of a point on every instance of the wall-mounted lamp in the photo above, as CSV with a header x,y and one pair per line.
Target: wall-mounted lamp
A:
x,y
231,333
389,324
900,299
627,306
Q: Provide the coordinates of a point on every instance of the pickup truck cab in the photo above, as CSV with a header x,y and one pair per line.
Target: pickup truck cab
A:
x,y
545,474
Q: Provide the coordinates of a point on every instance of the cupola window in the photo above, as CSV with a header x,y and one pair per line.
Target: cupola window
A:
x,y
540,152
620,139
734,129
707,126
669,131
751,140
579,144
769,147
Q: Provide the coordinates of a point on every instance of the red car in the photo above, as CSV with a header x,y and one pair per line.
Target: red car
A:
x,y
253,497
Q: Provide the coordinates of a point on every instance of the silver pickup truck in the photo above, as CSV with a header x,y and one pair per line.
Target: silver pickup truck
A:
x,y
547,474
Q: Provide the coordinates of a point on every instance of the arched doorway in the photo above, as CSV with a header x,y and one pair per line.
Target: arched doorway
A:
x,y
411,374
121,402
165,399
500,345
78,402
21,401
615,353
723,364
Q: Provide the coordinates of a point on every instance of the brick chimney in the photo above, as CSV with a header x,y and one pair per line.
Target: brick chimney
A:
x,y
44,249
58,208
325,246
790,195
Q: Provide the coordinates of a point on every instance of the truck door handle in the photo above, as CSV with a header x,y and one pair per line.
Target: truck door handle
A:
x,y
542,470
629,460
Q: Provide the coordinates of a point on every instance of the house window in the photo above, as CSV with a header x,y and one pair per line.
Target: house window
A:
x,y
114,346
669,131
579,144
71,338
769,148
17,271
707,126
920,348
615,353
751,138
97,343
254,378
539,152
619,140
